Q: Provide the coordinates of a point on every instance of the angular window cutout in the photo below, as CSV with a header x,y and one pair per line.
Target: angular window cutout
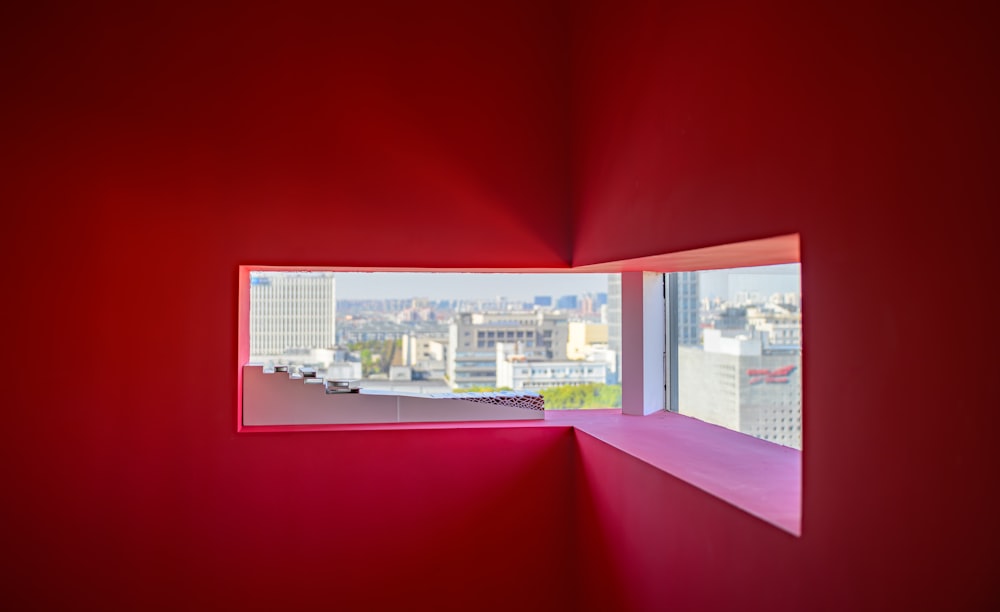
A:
x,y
763,479
498,340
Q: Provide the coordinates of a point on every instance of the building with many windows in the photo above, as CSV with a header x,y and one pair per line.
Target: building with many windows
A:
x,y
290,312
473,337
517,372
734,382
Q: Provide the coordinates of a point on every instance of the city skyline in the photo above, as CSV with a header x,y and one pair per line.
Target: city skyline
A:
x,y
725,284
765,280
465,285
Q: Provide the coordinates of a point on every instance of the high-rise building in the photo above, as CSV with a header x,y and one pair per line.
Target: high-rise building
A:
x,y
614,316
688,326
567,302
291,312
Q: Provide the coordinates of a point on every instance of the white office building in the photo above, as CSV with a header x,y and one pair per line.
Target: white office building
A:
x,y
735,381
291,312
515,371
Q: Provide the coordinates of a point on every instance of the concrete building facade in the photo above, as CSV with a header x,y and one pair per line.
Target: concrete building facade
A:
x,y
473,338
734,383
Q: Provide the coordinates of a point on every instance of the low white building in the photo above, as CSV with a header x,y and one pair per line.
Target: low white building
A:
x,y
515,371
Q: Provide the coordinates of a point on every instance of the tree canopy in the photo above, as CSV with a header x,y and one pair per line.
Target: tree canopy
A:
x,y
572,397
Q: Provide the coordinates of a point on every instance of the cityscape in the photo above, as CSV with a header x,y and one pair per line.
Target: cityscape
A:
x,y
738,335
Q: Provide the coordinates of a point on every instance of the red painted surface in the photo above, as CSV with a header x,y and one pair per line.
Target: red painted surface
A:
x,y
645,545
763,479
757,252
151,150
871,131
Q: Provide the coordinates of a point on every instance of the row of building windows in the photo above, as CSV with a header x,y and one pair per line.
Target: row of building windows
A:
x,y
551,372
507,334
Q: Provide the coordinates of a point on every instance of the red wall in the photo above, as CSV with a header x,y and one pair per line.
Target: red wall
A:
x,y
151,150
872,132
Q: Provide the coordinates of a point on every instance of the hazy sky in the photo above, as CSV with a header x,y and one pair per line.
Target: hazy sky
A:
x,y
448,285
763,279
458,285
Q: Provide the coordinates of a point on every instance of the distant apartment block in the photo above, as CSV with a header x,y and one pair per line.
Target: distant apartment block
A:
x,y
291,312
349,333
425,353
780,325
425,346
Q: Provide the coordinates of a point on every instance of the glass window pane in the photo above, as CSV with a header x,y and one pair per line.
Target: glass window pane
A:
x,y
739,358
442,332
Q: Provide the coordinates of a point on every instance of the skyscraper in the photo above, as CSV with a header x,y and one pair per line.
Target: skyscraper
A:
x,y
688,327
291,311
615,320
567,302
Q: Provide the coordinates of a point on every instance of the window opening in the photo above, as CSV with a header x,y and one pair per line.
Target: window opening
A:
x,y
406,332
736,352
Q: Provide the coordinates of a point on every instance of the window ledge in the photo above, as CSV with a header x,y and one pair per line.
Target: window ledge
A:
x,y
759,477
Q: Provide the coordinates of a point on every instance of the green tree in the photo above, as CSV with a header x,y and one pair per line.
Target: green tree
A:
x,y
378,355
576,397
570,397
